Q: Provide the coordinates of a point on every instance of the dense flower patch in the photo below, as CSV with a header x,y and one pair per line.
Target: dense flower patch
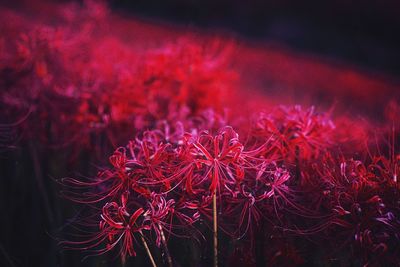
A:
x,y
188,152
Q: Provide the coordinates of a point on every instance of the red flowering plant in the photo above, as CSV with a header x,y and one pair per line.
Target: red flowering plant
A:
x,y
357,203
180,177
295,132
291,176
258,197
66,75
189,169
137,187
181,174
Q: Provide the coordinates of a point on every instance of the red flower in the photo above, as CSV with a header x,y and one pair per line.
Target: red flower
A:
x,y
117,228
218,158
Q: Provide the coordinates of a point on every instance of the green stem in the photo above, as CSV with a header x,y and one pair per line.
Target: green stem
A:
x,y
215,229
166,250
153,263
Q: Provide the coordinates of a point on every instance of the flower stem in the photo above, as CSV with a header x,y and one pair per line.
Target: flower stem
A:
x,y
166,250
153,263
215,229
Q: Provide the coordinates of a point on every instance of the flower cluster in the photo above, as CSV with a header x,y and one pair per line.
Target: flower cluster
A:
x,y
278,182
164,181
68,81
286,177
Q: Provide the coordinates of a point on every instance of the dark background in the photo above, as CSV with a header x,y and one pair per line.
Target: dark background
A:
x,y
361,33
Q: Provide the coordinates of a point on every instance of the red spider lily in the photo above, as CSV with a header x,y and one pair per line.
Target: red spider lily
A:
x,y
342,173
218,157
159,215
69,69
261,183
207,119
201,207
117,228
151,160
81,84
386,169
186,73
360,198
246,204
292,129
273,181
108,184
181,170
